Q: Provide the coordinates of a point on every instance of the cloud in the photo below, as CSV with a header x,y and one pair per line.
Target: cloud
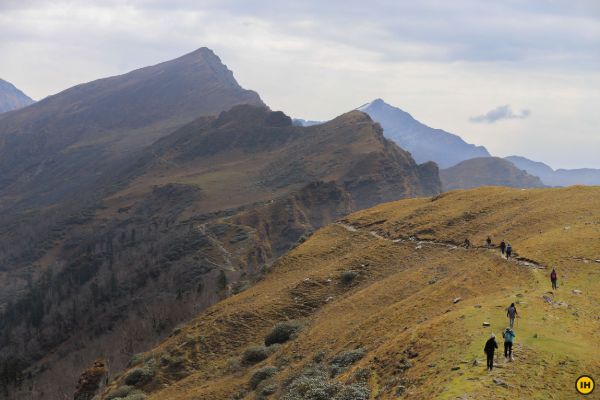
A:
x,y
499,113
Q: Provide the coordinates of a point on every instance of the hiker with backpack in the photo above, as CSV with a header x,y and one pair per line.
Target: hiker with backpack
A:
x,y
467,243
553,279
508,251
509,337
490,347
502,247
488,242
511,313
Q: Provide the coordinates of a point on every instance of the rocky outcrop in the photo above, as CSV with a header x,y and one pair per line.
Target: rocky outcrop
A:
x,y
91,381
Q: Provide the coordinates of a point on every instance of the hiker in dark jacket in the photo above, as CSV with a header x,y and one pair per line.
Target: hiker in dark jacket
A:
x,y
488,241
511,313
553,279
467,243
502,247
508,251
509,337
490,347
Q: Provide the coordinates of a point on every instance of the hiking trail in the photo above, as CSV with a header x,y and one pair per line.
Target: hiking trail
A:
x,y
422,242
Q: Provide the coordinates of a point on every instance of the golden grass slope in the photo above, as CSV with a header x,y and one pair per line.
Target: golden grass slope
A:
x,y
419,343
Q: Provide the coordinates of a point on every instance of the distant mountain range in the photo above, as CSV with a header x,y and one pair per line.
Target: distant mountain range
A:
x,y
12,98
423,143
559,177
487,171
463,165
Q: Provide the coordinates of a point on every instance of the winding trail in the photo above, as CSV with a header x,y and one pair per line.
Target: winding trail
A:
x,y
420,243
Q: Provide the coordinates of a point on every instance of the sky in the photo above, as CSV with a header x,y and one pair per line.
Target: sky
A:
x,y
519,77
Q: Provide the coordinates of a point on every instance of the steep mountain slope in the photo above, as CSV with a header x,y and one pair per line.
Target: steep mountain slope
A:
x,y
199,216
61,156
486,171
12,98
423,143
560,177
390,307
67,142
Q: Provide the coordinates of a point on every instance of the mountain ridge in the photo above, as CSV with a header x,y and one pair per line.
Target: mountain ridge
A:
x,y
487,171
559,177
424,143
200,215
12,98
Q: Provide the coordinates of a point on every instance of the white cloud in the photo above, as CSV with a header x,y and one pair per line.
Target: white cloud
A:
x,y
499,113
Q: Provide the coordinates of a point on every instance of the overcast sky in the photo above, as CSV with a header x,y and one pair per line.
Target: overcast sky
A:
x,y
519,77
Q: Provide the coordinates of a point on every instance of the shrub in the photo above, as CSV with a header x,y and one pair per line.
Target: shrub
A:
x,y
137,359
126,393
266,390
362,375
282,332
348,277
255,354
343,360
166,360
120,392
313,384
319,357
140,376
261,375
135,396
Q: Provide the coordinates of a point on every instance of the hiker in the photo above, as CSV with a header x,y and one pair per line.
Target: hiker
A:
x,y
509,337
488,241
490,347
553,278
502,247
511,313
467,243
508,251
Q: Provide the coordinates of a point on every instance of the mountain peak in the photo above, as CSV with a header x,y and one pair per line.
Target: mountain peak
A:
x,y
423,142
378,102
12,98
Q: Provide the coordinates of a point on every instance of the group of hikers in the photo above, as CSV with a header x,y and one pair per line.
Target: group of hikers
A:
x,y
505,248
511,312
509,337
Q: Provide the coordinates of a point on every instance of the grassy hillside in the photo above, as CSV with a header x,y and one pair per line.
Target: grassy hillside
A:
x,y
386,316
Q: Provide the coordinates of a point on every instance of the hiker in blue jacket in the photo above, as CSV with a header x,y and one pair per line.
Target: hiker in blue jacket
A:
x,y
509,338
